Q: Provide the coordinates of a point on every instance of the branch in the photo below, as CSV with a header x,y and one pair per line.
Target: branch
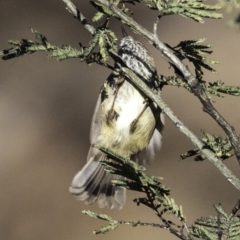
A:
x,y
221,147
79,16
26,46
197,142
191,80
115,223
217,88
236,208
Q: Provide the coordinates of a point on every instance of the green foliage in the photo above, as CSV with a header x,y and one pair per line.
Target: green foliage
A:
x,y
103,39
111,226
156,194
105,11
64,53
98,16
28,46
220,90
223,226
217,88
193,51
222,148
192,9
173,81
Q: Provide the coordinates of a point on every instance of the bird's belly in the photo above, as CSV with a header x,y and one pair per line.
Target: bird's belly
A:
x,y
119,134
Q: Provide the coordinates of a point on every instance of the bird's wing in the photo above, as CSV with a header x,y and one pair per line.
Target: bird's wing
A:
x,y
96,124
147,155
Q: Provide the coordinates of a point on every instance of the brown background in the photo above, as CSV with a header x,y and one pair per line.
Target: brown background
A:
x,y
45,114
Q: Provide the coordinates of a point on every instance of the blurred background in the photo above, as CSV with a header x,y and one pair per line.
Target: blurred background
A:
x,y
45,115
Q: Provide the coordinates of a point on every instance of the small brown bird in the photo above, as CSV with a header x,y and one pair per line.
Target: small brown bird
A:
x,y
124,121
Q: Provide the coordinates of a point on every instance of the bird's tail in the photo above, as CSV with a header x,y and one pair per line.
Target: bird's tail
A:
x,y
92,184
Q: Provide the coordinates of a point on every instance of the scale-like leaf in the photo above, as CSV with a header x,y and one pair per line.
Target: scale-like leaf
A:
x,y
192,9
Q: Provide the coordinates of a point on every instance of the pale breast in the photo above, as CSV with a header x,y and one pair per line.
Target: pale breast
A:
x,y
128,105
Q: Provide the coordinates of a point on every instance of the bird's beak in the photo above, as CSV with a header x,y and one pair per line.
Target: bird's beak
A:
x,y
124,32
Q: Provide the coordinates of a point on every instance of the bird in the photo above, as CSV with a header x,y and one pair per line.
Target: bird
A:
x,y
126,122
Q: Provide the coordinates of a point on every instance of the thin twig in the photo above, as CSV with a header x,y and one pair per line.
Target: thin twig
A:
x,y
236,208
166,225
155,25
163,226
219,231
146,224
188,76
79,16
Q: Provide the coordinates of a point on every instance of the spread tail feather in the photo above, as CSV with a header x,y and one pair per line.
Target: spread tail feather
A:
x,y
92,184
